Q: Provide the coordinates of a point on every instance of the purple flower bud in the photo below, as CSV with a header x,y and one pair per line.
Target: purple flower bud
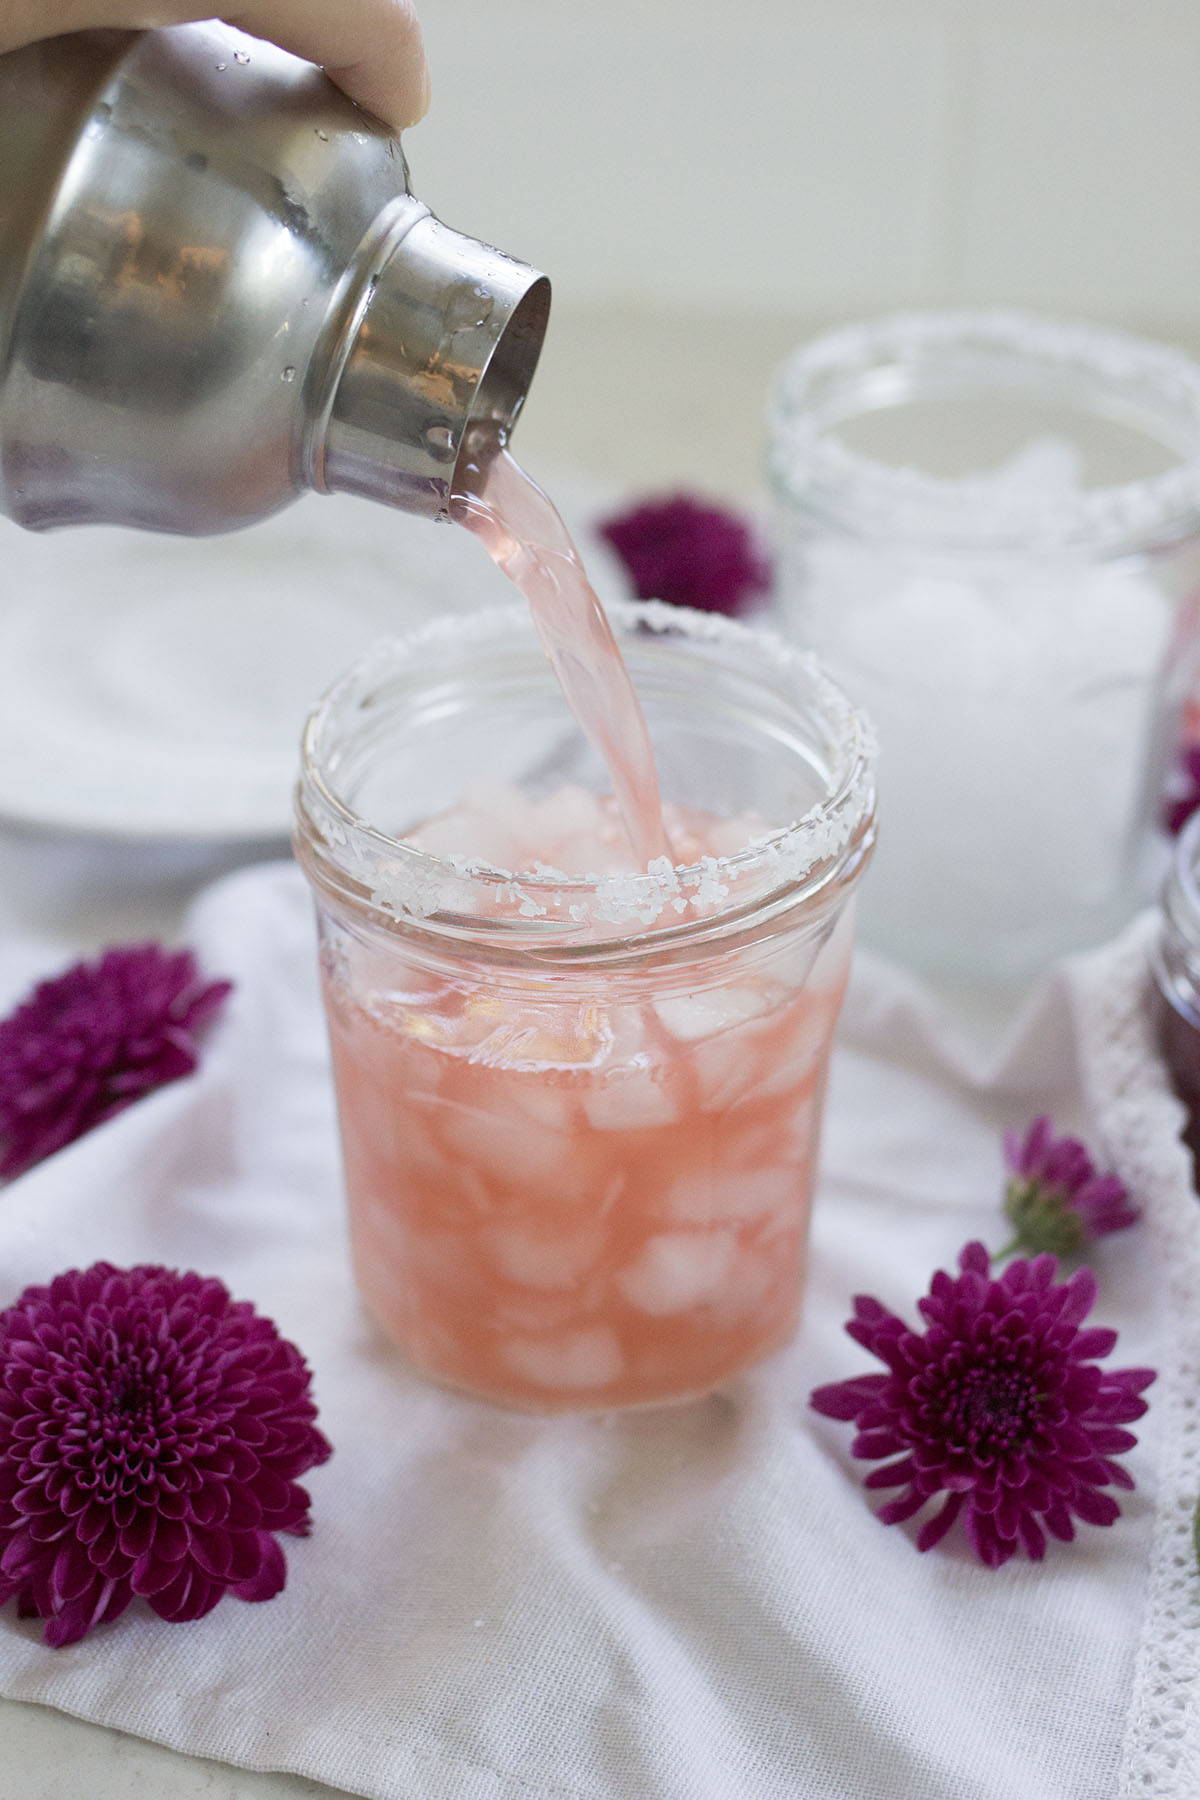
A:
x,y
1055,1199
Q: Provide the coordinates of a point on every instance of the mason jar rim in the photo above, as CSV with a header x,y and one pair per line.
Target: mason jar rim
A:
x,y
402,886
904,356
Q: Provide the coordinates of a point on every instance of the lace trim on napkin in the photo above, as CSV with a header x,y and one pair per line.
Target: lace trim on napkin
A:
x,y
1139,1120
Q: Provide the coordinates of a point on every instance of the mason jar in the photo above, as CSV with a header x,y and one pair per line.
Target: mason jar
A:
x,y
580,1113
987,527
1175,958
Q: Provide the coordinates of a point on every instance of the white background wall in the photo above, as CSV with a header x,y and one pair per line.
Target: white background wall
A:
x,y
706,183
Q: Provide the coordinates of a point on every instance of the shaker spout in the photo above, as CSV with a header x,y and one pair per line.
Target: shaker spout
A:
x,y
446,335
217,292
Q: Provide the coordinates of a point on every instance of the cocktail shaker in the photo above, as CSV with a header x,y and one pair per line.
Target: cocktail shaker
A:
x,y
218,292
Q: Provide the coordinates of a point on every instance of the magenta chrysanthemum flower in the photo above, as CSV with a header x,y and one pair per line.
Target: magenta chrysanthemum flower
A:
x,y
1055,1199
91,1041
151,1433
997,1409
1183,795
690,553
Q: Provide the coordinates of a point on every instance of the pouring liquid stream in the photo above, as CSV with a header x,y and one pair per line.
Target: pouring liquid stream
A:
x,y
522,532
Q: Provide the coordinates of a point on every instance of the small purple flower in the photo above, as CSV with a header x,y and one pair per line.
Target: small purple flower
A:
x,y
1183,794
690,553
997,1409
151,1433
1054,1198
94,1039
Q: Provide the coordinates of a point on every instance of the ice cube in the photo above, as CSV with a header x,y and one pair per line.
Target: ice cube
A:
x,y
587,1357
727,1069
467,834
753,1146
442,835
505,1149
629,1099
800,1052
489,797
746,1285
1044,465
506,1032
726,837
700,1015
677,1269
792,966
586,853
544,1259
381,982
550,1108
626,1029
710,1196
569,811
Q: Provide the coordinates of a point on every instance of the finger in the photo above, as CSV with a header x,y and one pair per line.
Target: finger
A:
x,y
371,48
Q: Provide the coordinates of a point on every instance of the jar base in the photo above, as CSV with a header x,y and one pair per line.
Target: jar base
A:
x,y
577,1404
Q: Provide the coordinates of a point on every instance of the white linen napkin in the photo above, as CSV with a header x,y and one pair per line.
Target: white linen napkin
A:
x,y
687,1604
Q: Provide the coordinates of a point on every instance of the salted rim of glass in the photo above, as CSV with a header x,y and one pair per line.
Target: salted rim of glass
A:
x,y
404,882
883,363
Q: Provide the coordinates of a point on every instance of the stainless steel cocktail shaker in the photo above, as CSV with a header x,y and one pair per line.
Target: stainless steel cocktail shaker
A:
x,y
216,292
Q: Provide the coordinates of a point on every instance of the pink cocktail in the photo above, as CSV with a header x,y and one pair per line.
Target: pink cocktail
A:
x,y
580,1106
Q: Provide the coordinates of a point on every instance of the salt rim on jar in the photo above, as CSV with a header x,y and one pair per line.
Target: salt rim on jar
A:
x,y
469,897
885,362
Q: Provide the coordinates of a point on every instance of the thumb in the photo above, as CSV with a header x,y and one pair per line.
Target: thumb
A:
x,y
371,48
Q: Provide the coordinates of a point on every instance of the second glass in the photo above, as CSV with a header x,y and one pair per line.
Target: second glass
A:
x,y
989,528
580,1114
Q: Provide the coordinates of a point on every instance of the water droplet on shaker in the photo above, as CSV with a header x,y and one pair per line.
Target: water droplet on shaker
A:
x,y
222,65
241,56
289,374
99,119
468,308
440,441
323,135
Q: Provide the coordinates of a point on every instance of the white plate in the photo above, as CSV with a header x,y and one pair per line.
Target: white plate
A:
x,y
156,686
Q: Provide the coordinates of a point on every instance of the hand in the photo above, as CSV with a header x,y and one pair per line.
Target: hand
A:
x,y
371,48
